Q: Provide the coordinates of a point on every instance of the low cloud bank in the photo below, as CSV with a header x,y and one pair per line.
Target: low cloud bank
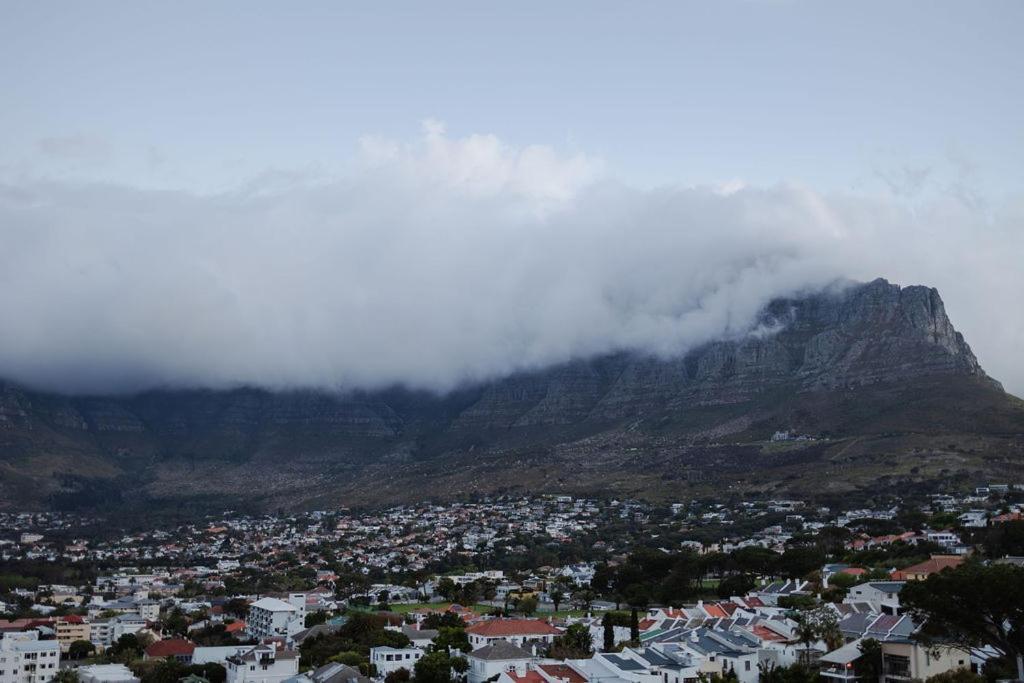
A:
x,y
446,261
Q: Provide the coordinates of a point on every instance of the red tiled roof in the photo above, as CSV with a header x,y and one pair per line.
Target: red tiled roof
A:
x,y
529,677
754,602
234,627
853,571
170,648
714,610
563,671
497,628
765,633
72,619
930,566
646,624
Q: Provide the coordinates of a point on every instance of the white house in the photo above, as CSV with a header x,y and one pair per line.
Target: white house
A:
x,y
262,664
493,660
519,632
390,659
26,659
882,596
270,617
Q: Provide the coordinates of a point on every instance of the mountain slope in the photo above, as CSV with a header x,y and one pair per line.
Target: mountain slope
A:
x,y
876,371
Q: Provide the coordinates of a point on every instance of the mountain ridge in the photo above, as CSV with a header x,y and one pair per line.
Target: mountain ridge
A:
x,y
869,341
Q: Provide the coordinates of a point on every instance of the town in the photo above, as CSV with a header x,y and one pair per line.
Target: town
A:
x,y
550,589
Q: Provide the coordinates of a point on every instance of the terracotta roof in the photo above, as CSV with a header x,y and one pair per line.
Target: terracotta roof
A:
x,y
930,566
171,647
646,624
497,628
234,627
528,677
563,671
71,619
765,633
753,601
714,610
853,571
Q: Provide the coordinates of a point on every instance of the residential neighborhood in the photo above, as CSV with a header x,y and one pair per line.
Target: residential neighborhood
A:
x,y
550,589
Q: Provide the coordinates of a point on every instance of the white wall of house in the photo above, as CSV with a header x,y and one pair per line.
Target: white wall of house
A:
x,y
26,659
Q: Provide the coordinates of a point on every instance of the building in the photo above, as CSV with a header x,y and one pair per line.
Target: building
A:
x,y
519,632
69,629
274,618
882,596
390,659
106,673
24,658
262,664
105,633
177,649
933,565
494,660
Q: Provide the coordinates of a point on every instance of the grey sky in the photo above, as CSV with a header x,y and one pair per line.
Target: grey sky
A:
x,y
302,196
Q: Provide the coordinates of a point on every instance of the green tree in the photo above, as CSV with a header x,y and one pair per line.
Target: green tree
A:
x,y
65,676
609,633
527,605
556,597
80,648
433,667
575,643
971,606
869,664
634,626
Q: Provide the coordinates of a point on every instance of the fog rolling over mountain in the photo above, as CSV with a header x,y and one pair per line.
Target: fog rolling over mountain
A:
x,y
876,374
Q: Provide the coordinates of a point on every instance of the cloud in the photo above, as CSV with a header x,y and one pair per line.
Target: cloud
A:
x,y
78,147
450,260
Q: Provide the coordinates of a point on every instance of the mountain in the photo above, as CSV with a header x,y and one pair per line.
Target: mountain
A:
x,y
887,392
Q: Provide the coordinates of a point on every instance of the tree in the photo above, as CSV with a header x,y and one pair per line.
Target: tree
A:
x,y
575,643
65,676
971,607
609,633
737,584
869,664
314,618
527,605
583,598
433,667
398,676
447,589
80,648
556,597
449,638
634,626
383,598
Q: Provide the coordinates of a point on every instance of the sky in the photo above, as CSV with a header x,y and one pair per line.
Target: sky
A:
x,y
358,194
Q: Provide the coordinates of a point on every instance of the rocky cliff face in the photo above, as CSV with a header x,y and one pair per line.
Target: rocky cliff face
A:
x,y
873,335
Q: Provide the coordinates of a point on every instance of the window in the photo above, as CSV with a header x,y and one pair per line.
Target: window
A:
x,y
746,665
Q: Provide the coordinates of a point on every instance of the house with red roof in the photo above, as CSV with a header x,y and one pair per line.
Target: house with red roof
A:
x,y
933,565
175,648
519,632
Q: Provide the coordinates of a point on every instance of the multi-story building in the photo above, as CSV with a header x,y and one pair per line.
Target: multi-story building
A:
x,y
262,664
270,617
69,629
387,660
24,658
106,632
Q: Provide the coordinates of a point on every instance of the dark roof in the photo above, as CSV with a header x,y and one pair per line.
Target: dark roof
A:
x,y
499,650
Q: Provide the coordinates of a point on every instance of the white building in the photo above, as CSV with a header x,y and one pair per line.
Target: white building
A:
x,y
262,664
106,673
390,659
882,596
493,660
26,659
270,617
105,633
